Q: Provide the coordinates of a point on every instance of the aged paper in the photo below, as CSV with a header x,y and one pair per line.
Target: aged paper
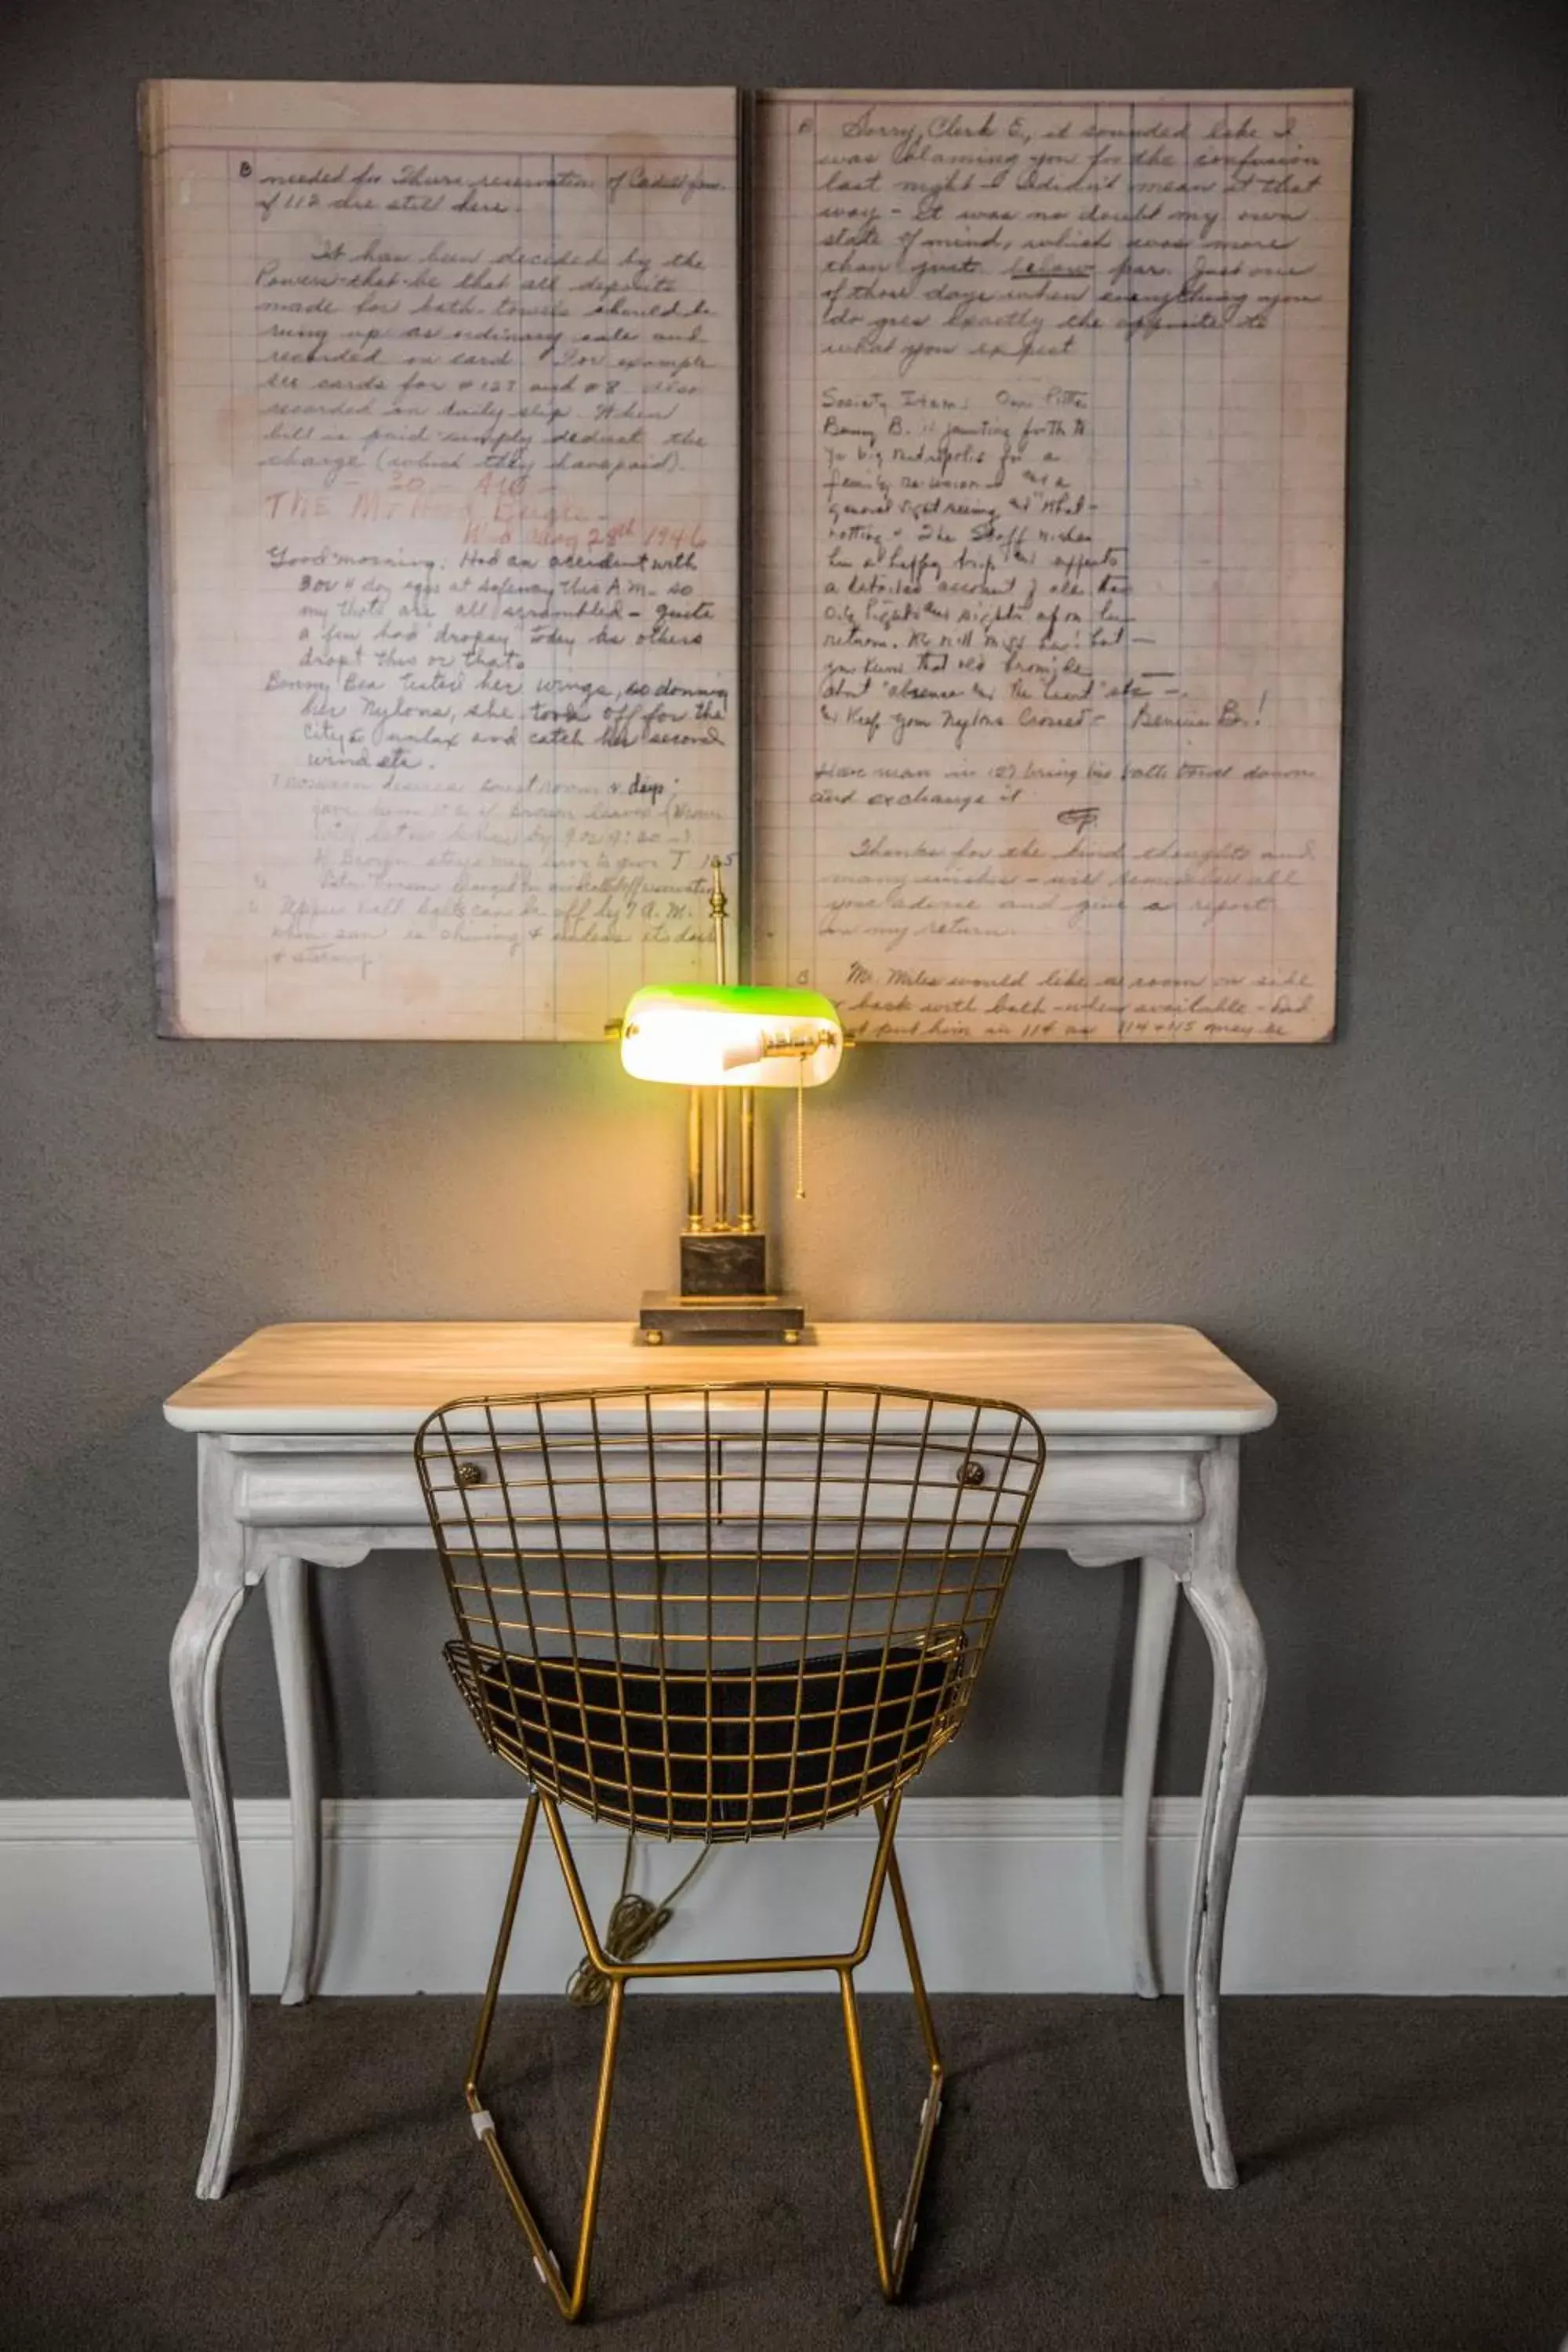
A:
x,y
444,476
1051,520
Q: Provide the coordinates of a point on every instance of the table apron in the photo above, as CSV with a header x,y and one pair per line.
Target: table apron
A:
x,y
317,1490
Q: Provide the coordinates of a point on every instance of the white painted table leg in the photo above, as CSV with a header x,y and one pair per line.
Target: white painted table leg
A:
x,y
288,1607
1240,1676
195,1661
1151,1658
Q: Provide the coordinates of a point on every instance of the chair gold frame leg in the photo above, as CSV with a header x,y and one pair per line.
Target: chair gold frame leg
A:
x,y
569,2295
892,2262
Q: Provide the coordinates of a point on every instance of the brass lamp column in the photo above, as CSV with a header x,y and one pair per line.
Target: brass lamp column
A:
x,y
719,1040
717,908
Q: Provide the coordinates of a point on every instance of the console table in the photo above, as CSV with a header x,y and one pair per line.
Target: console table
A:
x,y
304,1456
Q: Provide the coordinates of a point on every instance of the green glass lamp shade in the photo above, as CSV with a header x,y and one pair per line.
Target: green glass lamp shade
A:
x,y
716,1036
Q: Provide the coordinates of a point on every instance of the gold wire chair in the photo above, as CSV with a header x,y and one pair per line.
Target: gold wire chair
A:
x,y
722,1611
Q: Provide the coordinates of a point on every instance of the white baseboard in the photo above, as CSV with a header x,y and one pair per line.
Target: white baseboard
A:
x,y
1342,1894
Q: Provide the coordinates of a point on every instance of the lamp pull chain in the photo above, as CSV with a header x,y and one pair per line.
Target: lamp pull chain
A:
x,y
800,1129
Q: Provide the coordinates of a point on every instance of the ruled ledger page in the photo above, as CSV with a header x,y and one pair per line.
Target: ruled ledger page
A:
x,y
443,438
1051,492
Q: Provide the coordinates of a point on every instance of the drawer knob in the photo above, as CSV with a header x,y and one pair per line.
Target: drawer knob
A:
x,y
971,1473
471,1474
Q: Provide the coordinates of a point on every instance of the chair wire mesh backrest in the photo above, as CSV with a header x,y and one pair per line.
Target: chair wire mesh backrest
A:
x,y
729,1609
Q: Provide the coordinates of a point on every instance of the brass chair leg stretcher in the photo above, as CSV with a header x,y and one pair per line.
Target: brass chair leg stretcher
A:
x,y
892,2258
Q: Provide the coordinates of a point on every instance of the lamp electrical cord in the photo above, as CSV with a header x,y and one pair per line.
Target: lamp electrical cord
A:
x,y
634,1922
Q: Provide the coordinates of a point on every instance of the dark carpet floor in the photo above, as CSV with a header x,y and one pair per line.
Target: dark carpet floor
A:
x,y
1404,2179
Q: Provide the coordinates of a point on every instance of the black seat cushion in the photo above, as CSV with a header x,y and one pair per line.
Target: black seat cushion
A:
x,y
721,1756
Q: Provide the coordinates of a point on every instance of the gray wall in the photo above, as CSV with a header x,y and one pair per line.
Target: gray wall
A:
x,y
1371,1227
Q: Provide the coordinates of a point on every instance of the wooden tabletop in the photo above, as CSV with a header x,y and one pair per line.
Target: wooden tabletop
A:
x,y
365,1379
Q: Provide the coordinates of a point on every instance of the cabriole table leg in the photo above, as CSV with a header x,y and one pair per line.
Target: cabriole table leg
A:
x,y
195,1662
1240,1676
288,1607
1151,1659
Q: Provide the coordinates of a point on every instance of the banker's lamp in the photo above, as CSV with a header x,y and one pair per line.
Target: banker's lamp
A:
x,y
722,1040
